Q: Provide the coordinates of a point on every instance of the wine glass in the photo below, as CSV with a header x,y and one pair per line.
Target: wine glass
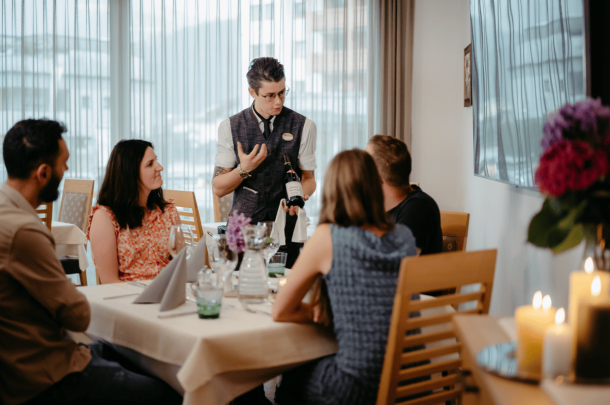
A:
x,y
222,259
269,246
180,236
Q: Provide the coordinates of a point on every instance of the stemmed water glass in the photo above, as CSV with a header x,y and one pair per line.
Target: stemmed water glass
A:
x,y
180,236
222,259
269,246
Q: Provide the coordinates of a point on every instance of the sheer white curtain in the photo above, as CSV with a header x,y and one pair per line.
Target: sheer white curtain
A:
x,y
170,71
54,63
188,73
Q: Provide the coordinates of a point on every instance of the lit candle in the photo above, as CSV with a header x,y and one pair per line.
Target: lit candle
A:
x,y
580,287
532,322
593,336
558,344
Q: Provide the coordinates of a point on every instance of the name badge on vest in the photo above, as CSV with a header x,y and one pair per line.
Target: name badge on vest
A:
x,y
287,137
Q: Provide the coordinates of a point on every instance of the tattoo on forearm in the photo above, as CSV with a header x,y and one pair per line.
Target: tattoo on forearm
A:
x,y
220,170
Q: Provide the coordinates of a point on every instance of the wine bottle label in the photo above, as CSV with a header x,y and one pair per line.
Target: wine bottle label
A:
x,y
294,189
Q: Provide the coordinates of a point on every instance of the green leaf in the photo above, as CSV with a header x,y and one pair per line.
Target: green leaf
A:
x,y
572,240
556,228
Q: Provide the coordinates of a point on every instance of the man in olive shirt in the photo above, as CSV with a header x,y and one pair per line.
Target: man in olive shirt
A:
x,y
405,203
38,303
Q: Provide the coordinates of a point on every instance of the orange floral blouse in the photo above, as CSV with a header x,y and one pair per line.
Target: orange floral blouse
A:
x,y
142,252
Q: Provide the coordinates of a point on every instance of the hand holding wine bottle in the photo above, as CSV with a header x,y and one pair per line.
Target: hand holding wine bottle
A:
x,y
296,198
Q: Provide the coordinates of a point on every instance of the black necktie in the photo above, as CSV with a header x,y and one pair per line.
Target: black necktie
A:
x,y
267,124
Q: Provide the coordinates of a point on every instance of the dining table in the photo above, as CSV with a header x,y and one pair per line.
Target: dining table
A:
x,y
70,240
209,361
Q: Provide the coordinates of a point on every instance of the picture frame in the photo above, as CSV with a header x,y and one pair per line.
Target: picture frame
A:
x,y
468,76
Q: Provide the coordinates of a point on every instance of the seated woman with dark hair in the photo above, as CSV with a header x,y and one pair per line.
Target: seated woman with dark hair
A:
x,y
130,225
357,252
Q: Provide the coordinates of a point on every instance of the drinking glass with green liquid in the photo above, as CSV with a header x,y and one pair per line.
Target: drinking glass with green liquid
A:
x,y
277,264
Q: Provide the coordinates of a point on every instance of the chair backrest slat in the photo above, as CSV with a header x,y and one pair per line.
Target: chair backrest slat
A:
x,y
456,223
431,355
45,213
185,200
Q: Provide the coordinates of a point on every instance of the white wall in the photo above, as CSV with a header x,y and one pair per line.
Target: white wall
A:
x,y
442,150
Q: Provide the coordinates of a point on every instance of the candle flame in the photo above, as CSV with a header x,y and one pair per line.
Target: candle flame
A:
x,y
589,265
560,316
282,282
596,286
537,300
546,302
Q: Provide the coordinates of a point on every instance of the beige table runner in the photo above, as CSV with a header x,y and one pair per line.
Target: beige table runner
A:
x,y
217,357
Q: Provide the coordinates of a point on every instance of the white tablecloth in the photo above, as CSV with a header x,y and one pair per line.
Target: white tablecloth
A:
x,y
217,359
70,240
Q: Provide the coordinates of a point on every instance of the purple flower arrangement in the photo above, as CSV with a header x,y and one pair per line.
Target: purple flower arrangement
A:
x,y
235,234
586,120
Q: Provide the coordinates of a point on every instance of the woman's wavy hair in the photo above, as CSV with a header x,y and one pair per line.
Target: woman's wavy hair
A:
x,y
121,185
352,193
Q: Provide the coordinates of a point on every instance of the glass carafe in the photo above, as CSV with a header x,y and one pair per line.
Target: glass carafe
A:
x,y
252,287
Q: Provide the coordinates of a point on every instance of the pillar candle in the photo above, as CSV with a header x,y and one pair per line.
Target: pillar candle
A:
x,y
532,322
580,286
593,336
557,350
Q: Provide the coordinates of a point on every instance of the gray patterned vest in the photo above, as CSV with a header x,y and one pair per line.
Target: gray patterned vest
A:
x,y
259,196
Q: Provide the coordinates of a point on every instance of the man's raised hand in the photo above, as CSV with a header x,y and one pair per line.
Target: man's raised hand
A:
x,y
252,160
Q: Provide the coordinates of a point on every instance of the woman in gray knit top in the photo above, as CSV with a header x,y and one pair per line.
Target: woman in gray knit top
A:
x,y
358,253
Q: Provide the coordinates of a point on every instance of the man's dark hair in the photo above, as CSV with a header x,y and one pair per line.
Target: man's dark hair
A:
x,y
30,143
121,185
392,159
264,70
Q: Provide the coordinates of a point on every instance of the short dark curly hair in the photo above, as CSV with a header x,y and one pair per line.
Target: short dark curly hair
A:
x,y
264,69
30,143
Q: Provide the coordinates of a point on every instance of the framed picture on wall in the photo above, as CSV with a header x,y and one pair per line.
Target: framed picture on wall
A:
x,y
467,76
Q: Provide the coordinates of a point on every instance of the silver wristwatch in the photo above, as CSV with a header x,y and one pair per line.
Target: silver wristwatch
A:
x,y
244,174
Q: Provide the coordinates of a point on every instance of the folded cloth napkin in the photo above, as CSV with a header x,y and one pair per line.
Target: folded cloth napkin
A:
x,y
196,261
168,288
300,229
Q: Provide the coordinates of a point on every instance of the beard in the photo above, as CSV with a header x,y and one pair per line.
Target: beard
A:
x,y
50,192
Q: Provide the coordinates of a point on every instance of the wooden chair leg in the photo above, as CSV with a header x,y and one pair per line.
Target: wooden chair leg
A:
x,y
83,278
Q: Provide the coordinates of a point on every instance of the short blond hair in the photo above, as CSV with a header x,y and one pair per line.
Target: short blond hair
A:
x,y
352,193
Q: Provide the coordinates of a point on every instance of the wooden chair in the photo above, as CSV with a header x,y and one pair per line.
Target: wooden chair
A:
x,y
45,213
426,273
76,202
222,207
187,208
456,223
75,209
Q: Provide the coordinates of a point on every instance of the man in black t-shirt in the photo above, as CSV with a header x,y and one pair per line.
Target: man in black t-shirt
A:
x,y
405,203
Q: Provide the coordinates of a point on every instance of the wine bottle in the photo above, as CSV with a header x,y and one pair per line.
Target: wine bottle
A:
x,y
293,185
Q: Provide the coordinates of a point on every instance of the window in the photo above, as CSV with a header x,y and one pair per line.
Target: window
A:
x,y
187,72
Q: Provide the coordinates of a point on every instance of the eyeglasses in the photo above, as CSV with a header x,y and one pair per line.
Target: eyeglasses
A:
x,y
282,95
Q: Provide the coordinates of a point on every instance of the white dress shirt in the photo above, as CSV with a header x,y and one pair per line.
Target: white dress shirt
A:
x,y
225,151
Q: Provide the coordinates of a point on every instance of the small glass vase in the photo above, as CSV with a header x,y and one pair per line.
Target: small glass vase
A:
x,y
252,287
597,249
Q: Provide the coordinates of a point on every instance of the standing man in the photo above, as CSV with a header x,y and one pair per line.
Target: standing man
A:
x,y
405,203
251,146
39,364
